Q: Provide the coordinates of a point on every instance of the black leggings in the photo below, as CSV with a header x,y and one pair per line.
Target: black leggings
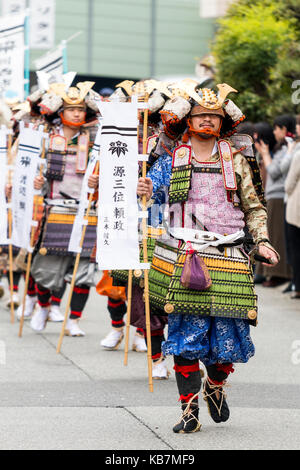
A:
x,y
294,244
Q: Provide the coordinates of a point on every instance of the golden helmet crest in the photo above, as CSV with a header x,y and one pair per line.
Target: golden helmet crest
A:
x,y
205,97
74,95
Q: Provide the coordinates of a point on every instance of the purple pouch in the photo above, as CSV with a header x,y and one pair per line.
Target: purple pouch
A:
x,y
195,273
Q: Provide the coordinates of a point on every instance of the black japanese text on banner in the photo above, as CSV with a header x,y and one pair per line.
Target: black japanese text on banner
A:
x,y
12,56
84,197
3,171
30,141
42,24
117,236
13,7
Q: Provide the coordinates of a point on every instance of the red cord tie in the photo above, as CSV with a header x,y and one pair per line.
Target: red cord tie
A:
x,y
155,357
186,370
215,382
227,368
115,305
154,333
186,398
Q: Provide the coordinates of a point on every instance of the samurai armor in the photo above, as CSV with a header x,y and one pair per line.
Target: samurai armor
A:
x,y
56,158
38,217
181,174
120,277
3,261
58,228
244,144
231,294
50,103
156,101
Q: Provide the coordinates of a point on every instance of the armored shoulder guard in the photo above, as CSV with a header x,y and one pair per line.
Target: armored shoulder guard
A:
x,y
181,174
244,144
159,146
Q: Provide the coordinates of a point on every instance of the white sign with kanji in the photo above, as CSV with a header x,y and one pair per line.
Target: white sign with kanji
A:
x,y
13,7
42,24
118,213
12,56
30,142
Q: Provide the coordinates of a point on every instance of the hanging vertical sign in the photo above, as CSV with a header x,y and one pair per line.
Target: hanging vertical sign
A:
x,y
23,192
117,235
3,170
213,8
13,7
42,24
53,64
12,56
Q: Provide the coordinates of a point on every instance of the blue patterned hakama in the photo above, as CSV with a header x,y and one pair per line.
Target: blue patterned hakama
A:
x,y
210,339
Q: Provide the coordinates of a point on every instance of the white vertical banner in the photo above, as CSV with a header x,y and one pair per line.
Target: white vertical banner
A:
x,y
27,160
118,213
42,24
12,56
3,172
52,64
13,7
213,8
84,196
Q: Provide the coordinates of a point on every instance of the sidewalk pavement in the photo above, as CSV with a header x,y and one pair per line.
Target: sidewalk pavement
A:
x,y
85,398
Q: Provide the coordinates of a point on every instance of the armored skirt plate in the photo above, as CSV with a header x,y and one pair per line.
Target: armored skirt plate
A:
x,y
231,294
58,229
120,277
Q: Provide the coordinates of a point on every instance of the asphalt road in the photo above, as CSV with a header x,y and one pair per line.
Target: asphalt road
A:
x,y
85,398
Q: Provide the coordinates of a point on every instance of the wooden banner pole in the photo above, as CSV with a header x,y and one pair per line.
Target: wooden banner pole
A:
x,y
10,247
145,253
32,236
128,315
86,218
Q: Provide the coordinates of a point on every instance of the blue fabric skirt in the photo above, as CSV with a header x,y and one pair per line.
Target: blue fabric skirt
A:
x,y
210,339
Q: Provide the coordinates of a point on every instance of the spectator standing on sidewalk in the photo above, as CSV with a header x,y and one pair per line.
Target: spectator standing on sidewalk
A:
x,y
263,133
284,131
292,188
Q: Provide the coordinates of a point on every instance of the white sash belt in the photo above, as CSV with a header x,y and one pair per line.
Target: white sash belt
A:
x,y
203,238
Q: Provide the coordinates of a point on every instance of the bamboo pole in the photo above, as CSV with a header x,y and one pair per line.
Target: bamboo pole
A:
x,y
86,217
10,247
145,253
32,235
128,317
129,299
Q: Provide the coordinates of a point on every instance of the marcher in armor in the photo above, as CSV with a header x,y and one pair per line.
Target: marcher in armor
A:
x,y
157,142
201,274
74,125
22,112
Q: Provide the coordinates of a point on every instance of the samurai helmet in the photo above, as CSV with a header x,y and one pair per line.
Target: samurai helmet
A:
x,y
75,96
196,101
51,97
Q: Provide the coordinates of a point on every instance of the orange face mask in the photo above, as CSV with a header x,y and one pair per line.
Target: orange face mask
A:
x,y
205,133
65,122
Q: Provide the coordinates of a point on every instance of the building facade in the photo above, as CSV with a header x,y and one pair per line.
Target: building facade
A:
x,y
132,38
